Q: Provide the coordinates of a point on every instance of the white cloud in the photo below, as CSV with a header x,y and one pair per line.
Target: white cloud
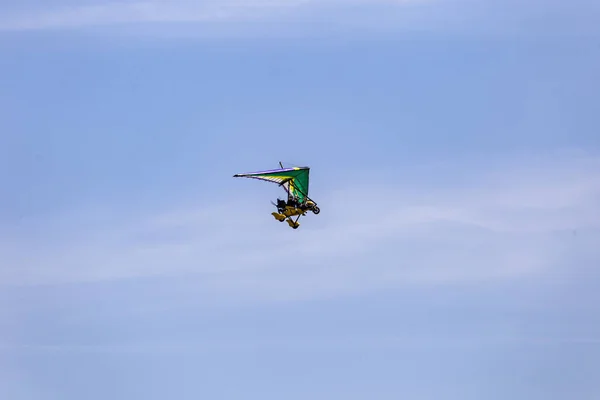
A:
x,y
306,17
510,225
141,11
325,343
509,17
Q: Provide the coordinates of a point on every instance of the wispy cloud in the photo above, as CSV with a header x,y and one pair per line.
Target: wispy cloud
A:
x,y
494,17
245,16
337,343
524,221
143,11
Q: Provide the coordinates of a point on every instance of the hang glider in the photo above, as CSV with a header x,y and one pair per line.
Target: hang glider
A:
x,y
295,182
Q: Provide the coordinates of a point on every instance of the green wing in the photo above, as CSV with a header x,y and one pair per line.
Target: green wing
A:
x,y
293,180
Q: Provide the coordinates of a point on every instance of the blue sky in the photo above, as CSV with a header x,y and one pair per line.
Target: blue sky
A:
x,y
455,155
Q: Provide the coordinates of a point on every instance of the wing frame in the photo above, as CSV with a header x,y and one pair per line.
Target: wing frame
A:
x,y
295,180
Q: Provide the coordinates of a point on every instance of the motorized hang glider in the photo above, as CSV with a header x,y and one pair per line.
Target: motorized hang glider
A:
x,y
294,181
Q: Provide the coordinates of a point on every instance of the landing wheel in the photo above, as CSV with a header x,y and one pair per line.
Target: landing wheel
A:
x,y
316,210
295,227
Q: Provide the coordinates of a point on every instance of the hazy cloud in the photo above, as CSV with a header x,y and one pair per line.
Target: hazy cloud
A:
x,y
308,16
527,218
68,15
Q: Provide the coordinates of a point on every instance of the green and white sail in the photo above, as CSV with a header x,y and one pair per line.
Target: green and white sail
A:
x,y
294,180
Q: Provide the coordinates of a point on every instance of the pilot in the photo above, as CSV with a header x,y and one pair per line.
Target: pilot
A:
x,y
292,202
281,204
